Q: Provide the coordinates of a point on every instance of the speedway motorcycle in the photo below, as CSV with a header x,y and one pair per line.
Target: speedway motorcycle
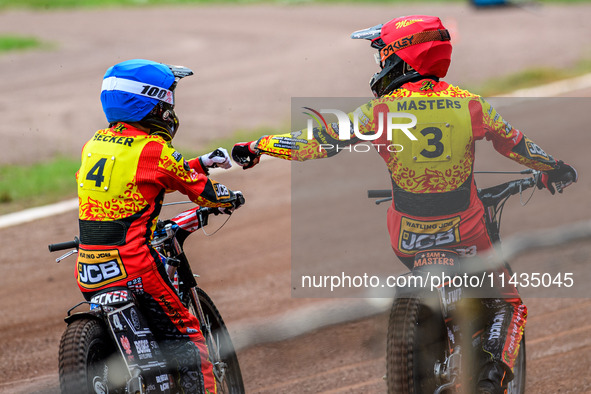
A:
x,y
434,332
109,348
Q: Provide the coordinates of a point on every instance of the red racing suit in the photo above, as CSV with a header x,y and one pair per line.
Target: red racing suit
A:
x,y
122,181
435,202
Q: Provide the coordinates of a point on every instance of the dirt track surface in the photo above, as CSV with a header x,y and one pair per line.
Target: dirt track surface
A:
x,y
249,62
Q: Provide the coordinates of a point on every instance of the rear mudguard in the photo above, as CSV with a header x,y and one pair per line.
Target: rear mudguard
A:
x,y
96,314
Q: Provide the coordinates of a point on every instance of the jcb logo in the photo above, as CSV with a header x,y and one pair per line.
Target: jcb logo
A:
x,y
418,235
412,242
99,269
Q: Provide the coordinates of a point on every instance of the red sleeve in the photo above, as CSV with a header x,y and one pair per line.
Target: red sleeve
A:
x,y
174,173
197,166
507,140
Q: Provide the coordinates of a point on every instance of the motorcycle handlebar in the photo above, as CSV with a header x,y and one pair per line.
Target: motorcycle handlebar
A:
x,y
494,194
489,196
379,193
64,245
204,213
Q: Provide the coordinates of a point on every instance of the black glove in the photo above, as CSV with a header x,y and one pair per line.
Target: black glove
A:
x,y
238,202
562,176
244,156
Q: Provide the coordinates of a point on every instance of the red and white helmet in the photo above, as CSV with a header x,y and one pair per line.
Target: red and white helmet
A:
x,y
410,47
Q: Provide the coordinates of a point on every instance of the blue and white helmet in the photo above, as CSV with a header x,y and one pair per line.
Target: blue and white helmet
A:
x,y
143,91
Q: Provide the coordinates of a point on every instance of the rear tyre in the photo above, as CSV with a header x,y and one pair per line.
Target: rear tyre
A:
x,y
88,362
416,342
517,385
221,350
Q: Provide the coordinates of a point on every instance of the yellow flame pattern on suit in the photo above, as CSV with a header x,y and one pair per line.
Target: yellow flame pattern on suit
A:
x,y
449,120
99,198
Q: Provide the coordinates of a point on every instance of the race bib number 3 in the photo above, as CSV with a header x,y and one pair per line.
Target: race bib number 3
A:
x,y
433,144
97,268
96,172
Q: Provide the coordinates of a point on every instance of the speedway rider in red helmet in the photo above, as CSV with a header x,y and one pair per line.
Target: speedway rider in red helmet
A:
x,y
434,182
125,172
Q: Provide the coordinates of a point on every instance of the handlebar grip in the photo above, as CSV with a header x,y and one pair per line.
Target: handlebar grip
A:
x,y
569,177
206,211
240,199
379,193
64,245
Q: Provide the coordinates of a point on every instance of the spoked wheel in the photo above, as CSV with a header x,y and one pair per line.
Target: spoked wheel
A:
x,y
221,350
416,345
88,362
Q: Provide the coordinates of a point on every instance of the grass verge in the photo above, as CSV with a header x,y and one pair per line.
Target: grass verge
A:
x,y
37,184
26,186
528,78
11,43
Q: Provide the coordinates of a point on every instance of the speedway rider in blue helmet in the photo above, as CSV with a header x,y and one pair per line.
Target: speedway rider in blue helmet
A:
x,y
126,170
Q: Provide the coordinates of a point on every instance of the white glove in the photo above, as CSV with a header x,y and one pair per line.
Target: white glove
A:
x,y
217,158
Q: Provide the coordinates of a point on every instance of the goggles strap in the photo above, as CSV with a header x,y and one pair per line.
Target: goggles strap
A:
x,y
414,39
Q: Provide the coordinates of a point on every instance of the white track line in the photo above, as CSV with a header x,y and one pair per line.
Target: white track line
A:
x,y
549,90
31,214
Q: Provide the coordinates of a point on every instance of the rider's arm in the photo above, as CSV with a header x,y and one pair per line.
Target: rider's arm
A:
x,y
510,142
217,158
174,173
323,142
290,146
515,145
197,165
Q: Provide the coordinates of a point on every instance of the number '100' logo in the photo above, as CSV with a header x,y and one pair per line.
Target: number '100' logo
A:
x,y
154,91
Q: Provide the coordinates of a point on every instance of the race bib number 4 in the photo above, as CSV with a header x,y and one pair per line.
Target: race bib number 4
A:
x,y
416,235
97,268
96,172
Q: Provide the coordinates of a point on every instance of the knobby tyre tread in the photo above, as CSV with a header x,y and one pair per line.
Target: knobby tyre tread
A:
x,y
79,338
416,341
517,385
401,337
